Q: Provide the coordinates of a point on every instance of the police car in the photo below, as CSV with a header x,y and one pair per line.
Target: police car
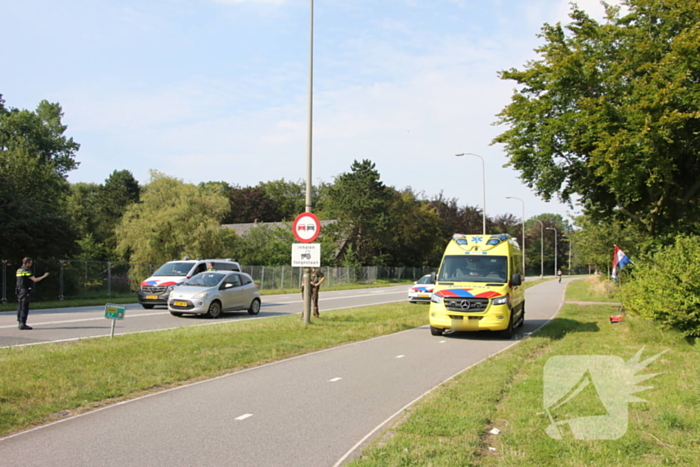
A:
x,y
421,290
156,289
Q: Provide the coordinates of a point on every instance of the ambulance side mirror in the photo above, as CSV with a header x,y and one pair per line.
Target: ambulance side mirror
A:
x,y
516,280
432,277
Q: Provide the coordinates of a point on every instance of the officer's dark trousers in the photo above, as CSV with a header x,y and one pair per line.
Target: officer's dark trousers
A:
x,y
23,306
314,298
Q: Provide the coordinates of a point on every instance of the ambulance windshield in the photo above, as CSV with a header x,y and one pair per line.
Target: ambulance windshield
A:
x,y
474,268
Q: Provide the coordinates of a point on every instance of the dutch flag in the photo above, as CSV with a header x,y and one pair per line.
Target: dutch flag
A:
x,y
620,260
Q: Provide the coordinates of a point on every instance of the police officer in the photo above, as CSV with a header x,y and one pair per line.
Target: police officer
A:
x,y
25,283
316,278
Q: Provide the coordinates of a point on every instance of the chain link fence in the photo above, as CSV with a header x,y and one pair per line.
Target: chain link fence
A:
x,y
71,279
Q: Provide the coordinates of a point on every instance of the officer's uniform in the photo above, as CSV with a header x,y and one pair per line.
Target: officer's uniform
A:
x,y
24,289
314,278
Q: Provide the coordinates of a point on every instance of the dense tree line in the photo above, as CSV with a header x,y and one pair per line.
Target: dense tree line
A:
x,y
609,113
120,220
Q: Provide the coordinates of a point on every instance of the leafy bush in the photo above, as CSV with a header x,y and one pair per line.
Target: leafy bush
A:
x,y
666,287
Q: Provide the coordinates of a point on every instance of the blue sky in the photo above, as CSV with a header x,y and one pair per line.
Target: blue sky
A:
x,y
209,90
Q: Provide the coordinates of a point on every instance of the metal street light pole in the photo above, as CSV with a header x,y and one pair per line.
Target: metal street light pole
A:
x,y
568,239
306,313
483,177
541,249
555,248
513,197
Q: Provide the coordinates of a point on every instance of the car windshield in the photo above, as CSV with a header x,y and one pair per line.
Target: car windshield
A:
x,y
424,280
205,279
173,269
472,268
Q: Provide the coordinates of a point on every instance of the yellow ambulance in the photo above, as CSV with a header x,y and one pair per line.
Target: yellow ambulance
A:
x,y
479,286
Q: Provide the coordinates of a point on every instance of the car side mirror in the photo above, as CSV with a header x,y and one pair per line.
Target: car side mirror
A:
x,y
516,280
432,277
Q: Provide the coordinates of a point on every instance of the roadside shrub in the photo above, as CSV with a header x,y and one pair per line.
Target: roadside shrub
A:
x,y
665,287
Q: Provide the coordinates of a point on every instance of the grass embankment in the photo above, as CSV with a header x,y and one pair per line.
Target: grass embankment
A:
x,y
451,426
42,383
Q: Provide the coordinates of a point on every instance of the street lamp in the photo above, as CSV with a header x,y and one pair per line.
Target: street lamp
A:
x,y
483,176
555,248
541,249
569,240
306,312
513,197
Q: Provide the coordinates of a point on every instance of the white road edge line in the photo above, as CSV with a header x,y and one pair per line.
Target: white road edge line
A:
x,y
334,380
74,339
244,416
397,413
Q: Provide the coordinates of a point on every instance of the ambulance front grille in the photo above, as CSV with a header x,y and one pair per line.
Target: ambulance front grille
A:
x,y
468,305
152,289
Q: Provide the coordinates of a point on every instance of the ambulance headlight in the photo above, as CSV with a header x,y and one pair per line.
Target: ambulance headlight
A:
x,y
435,298
500,300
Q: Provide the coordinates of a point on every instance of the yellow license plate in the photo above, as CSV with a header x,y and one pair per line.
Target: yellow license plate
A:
x,y
152,297
423,295
180,303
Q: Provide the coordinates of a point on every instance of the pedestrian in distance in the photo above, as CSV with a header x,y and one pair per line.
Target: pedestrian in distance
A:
x,y
25,284
559,274
316,279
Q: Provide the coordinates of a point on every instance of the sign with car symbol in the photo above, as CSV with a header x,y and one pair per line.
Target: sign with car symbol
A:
x,y
306,227
306,255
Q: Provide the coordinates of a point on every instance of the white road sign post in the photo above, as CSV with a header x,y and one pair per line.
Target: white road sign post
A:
x,y
305,255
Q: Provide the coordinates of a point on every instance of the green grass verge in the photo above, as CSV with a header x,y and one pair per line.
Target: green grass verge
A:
x,y
41,383
591,289
451,426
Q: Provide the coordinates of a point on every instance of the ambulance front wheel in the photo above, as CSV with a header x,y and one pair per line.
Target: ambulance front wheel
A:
x,y
436,331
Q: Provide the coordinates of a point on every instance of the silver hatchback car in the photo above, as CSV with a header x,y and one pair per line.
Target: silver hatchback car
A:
x,y
212,293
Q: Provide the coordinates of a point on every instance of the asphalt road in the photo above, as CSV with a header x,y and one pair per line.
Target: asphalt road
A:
x,y
313,410
65,324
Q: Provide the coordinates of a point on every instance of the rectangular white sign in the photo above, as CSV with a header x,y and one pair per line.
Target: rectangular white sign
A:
x,y
306,255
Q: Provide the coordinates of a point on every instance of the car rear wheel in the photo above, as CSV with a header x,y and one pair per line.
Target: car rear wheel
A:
x,y
148,307
214,310
436,331
254,307
175,313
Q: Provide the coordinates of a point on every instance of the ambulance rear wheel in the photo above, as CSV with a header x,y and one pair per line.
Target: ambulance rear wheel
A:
x,y
436,331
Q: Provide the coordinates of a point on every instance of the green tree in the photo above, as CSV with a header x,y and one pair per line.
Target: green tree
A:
x,y
119,191
290,197
173,219
83,206
416,238
265,245
360,202
611,112
595,241
35,158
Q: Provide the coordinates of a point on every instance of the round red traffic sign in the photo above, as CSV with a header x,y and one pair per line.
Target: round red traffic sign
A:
x,y
306,227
